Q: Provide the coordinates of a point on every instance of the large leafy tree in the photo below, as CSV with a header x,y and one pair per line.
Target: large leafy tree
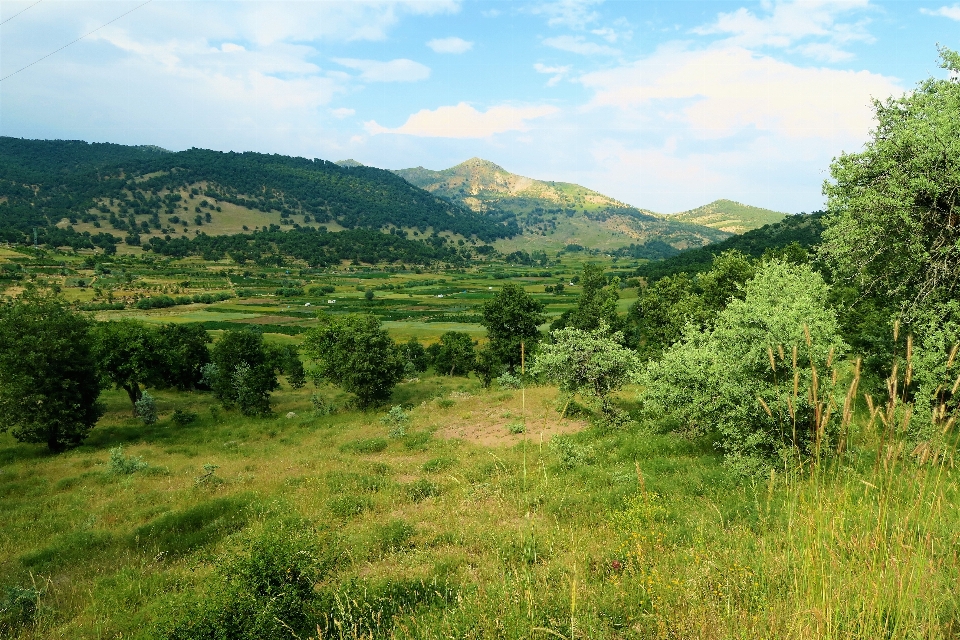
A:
x,y
355,352
456,355
48,376
245,371
183,352
893,231
512,317
127,356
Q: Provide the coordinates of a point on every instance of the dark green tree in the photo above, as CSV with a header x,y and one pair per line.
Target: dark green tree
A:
x,y
355,353
456,355
48,378
512,318
182,351
487,365
286,360
245,371
416,355
598,301
127,356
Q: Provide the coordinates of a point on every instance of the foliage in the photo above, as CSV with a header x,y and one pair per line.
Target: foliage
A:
x,y
182,417
662,310
416,355
512,317
286,359
758,376
18,608
267,591
509,381
245,372
354,352
456,355
397,420
127,356
48,378
597,304
121,465
146,408
590,362
487,365
183,354
802,230
892,231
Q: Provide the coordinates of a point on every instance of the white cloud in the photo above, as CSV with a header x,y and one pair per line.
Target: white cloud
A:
x,y
342,112
558,73
450,45
946,12
725,91
399,70
463,121
580,45
229,47
573,14
786,24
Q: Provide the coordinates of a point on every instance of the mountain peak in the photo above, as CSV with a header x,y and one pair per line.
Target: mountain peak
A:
x,y
349,162
475,163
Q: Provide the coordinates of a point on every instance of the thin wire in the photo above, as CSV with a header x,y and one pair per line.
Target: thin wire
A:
x,y
75,41
19,12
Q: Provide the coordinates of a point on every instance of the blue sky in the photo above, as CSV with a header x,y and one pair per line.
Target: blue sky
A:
x,y
664,105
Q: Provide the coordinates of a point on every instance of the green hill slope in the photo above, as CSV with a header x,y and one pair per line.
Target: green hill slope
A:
x,y
727,215
555,214
67,187
803,229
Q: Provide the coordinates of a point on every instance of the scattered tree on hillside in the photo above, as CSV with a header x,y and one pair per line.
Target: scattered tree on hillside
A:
x,y
591,362
512,318
355,353
48,378
183,352
456,354
245,371
127,356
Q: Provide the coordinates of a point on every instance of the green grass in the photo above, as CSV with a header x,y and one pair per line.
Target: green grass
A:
x,y
601,535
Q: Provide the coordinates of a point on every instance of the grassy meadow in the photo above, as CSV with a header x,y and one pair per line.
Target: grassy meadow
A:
x,y
487,515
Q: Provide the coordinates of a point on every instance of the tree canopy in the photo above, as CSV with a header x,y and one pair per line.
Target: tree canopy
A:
x,y
48,376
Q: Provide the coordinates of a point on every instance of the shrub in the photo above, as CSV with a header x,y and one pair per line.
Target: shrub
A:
x,y
509,381
124,465
18,608
320,406
751,379
422,489
397,420
146,408
516,428
183,418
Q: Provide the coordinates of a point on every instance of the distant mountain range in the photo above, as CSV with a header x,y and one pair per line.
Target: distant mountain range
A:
x,y
84,195
553,215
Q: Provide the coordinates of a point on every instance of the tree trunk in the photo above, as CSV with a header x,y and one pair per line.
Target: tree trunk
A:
x,y
133,390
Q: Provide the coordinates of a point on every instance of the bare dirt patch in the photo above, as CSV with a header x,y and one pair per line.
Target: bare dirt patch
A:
x,y
478,419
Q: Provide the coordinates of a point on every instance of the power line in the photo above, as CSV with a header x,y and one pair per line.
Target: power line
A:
x,y
19,12
75,41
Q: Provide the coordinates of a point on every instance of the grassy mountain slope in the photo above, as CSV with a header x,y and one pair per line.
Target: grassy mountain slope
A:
x,y
555,214
727,215
121,191
803,229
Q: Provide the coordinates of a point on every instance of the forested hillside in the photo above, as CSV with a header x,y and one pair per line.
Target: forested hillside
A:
x,y
43,183
802,229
